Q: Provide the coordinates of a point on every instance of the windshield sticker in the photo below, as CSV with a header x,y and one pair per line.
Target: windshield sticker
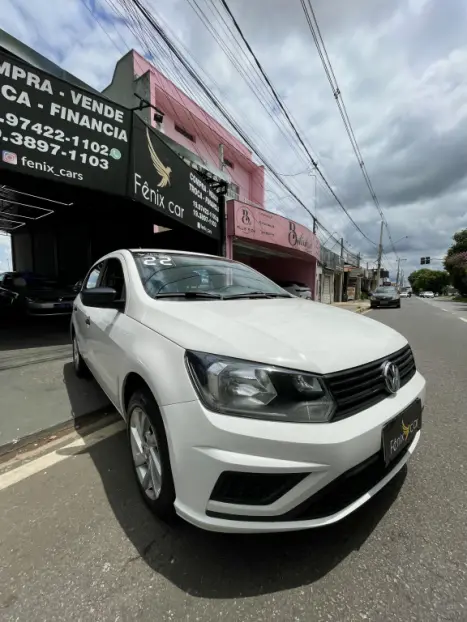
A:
x,y
158,260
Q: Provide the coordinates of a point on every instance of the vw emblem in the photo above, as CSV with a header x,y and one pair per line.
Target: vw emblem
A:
x,y
391,377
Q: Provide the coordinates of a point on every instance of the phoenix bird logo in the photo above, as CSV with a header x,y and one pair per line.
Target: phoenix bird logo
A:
x,y
163,171
405,431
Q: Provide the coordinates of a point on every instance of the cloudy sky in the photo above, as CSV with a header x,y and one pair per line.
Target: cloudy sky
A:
x,y
400,65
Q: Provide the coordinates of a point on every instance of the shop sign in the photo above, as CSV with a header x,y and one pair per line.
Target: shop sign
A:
x,y
161,179
52,129
258,224
351,293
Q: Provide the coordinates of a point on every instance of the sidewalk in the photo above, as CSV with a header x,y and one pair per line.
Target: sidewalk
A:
x,y
357,306
39,388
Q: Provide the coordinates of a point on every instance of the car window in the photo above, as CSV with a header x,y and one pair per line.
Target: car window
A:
x,y
93,277
179,273
113,277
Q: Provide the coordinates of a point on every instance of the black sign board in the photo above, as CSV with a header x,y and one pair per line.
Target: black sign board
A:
x,y
55,130
161,179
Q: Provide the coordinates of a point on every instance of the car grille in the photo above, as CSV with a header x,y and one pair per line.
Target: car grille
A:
x,y
359,388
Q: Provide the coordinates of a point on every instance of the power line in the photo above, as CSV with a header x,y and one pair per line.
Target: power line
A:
x,y
327,65
289,119
142,35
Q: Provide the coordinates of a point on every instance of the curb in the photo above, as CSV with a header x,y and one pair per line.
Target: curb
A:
x,y
60,429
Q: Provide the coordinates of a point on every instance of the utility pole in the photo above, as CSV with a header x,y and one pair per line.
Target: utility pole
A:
x,y
380,255
398,270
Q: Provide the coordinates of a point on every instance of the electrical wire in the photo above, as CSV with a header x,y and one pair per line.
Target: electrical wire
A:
x,y
327,65
289,119
128,8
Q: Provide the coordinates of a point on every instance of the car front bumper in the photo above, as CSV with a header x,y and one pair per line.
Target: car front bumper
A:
x,y
203,445
49,308
376,304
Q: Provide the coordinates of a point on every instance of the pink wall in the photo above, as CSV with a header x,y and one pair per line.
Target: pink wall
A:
x,y
208,133
259,225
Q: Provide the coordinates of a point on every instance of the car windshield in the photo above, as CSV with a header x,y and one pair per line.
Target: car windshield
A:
x,y
385,290
191,276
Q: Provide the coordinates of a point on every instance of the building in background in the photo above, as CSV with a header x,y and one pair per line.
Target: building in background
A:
x,y
278,247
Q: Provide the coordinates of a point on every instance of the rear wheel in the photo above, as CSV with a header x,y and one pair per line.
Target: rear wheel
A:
x,y
150,454
80,367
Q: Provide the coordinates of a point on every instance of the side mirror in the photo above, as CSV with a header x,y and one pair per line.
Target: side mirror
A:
x,y
77,286
101,297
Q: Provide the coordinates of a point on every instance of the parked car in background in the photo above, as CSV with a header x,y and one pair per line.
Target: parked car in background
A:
x,y
428,295
385,296
296,289
245,405
29,294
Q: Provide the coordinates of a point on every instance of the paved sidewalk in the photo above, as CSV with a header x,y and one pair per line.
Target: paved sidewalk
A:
x,y
39,390
357,306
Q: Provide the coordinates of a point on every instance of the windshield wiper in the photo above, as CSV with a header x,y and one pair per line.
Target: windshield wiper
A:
x,y
189,295
256,295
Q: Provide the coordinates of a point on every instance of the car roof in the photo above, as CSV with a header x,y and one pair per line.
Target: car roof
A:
x,y
172,252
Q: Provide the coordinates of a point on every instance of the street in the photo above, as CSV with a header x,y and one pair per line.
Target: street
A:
x,y
77,542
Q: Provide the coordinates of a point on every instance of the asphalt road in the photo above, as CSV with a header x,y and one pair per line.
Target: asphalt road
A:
x,y
77,543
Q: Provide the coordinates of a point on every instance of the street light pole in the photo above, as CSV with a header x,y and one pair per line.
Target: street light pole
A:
x,y
399,270
380,255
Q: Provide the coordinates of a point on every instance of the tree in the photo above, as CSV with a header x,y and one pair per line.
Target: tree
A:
x,y
456,261
429,280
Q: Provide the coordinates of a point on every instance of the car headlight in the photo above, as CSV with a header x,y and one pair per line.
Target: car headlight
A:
x,y
246,389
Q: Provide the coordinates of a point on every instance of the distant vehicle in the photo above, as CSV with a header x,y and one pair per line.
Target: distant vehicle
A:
x,y
405,295
296,289
385,296
428,295
26,293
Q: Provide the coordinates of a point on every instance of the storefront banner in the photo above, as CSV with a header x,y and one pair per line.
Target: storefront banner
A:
x,y
161,179
55,130
258,224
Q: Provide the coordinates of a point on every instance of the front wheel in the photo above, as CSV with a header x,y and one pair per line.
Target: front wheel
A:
x,y
150,454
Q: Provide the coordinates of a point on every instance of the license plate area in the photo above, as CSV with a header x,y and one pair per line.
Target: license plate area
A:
x,y
400,431
62,305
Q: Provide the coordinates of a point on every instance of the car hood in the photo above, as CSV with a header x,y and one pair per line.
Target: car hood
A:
x,y
293,332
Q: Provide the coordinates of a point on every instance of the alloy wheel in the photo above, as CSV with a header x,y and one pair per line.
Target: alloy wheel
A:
x,y
145,453
76,361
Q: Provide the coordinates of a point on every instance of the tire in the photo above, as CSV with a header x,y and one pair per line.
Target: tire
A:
x,y
398,306
80,367
145,421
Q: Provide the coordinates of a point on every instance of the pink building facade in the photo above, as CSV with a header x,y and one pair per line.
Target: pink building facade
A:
x,y
280,248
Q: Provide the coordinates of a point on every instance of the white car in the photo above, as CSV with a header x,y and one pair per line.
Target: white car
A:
x,y
248,409
428,295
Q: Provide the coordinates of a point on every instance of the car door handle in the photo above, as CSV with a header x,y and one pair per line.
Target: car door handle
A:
x,y
88,321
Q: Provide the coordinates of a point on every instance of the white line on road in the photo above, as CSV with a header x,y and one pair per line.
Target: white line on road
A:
x,y
463,319
9,478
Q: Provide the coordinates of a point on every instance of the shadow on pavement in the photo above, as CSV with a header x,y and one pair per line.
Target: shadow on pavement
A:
x,y
213,565
85,395
34,333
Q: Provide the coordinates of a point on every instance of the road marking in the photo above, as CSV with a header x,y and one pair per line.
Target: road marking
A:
x,y
447,310
463,319
18,474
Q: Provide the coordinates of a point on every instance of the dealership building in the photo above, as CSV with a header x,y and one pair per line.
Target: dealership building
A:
x,y
138,165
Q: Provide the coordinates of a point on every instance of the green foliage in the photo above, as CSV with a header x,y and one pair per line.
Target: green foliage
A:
x,y
429,280
456,262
